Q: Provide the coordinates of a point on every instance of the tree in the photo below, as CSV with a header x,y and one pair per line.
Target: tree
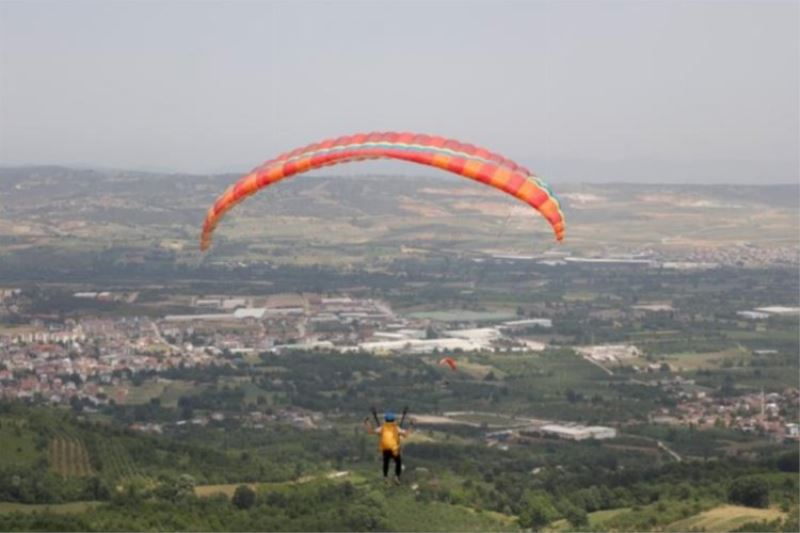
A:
x,y
537,510
576,516
749,491
244,497
572,396
789,462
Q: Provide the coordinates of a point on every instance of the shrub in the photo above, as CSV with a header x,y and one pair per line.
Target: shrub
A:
x,y
244,497
751,492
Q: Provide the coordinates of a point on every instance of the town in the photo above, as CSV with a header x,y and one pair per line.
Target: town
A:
x,y
94,361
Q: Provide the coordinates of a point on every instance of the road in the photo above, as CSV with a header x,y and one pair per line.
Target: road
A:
x,y
598,365
161,338
670,451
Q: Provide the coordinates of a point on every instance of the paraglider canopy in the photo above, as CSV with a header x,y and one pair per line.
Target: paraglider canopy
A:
x,y
453,156
448,361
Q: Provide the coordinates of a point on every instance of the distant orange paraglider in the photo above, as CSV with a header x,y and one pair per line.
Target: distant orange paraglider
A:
x,y
449,361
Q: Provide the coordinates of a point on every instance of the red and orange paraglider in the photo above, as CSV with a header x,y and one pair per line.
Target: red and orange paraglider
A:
x,y
449,361
465,160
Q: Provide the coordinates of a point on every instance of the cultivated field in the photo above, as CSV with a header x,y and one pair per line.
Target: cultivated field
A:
x,y
69,457
116,461
725,518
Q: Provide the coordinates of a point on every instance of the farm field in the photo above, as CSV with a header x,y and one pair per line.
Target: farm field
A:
x,y
168,391
477,370
116,461
228,489
57,508
596,519
405,514
69,457
725,518
697,361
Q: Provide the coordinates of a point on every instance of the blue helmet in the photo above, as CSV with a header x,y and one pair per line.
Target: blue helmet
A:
x,y
389,416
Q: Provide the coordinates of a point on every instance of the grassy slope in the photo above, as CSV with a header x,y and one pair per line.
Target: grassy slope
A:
x,y
596,520
721,518
403,511
17,444
58,508
725,518
407,514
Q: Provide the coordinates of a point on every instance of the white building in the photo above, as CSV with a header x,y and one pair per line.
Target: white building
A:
x,y
609,352
753,315
602,432
389,335
233,303
577,432
305,346
250,312
478,335
566,432
90,295
416,346
779,310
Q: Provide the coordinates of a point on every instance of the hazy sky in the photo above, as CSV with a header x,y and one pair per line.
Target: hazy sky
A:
x,y
644,91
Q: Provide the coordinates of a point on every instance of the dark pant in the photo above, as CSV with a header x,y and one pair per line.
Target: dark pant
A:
x,y
398,463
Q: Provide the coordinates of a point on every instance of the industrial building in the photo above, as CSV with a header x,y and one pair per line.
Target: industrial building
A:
x,y
573,431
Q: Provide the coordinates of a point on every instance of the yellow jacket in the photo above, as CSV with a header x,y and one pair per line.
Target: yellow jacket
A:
x,y
390,434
